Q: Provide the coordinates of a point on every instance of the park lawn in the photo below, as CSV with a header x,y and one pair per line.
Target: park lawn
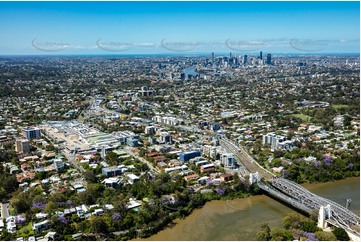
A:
x,y
303,117
338,106
26,231
12,211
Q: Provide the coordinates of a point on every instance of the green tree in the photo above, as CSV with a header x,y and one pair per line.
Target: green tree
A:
x,y
325,236
314,215
265,233
341,234
90,176
292,221
236,179
309,226
21,203
50,207
92,193
112,158
8,185
98,225
278,234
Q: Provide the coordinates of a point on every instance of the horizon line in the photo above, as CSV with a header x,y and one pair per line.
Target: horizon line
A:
x,y
183,54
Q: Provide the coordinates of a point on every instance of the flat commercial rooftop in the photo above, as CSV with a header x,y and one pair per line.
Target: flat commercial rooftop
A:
x,y
78,135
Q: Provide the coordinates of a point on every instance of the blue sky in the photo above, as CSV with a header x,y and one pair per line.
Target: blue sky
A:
x,y
178,27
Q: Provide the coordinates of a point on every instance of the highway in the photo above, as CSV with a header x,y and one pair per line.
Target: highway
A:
x,y
246,159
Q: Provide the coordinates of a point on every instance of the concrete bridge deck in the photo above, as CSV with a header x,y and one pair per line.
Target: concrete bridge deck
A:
x,y
294,194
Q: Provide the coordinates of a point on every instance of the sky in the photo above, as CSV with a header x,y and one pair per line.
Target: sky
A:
x,y
178,27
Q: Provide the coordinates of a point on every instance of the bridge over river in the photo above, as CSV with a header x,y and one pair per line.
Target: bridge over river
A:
x,y
297,196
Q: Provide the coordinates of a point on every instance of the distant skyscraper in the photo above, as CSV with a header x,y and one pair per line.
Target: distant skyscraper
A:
x,y
245,59
212,57
230,54
260,55
183,76
269,60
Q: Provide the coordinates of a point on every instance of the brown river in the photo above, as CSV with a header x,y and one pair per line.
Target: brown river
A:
x,y
240,219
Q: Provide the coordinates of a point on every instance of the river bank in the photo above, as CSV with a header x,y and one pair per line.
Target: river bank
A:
x,y
240,219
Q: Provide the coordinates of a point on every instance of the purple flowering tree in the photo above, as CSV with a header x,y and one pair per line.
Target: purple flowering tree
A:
x,y
221,191
328,160
317,163
69,202
62,219
209,182
39,205
310,236
116,216
20,219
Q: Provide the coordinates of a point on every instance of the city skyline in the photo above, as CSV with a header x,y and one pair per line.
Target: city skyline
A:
x,y
180,28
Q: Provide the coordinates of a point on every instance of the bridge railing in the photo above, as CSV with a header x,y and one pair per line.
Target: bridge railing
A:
x,y
342,216
318,201
274,192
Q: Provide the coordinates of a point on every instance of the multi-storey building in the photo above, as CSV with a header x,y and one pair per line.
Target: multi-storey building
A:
x,y
31,132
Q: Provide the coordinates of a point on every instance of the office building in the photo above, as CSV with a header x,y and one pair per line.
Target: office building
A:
x,y
212,58
111,171
260,55
228,160
149,130
31,133
245,59
127,137
22,146
59,164
133,142
209,151
277,142
186,156
269,59
147,91
165,138
182,76
172,121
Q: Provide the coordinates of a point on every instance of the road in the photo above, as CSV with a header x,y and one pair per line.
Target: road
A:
x,y
150,165
69,157
71,160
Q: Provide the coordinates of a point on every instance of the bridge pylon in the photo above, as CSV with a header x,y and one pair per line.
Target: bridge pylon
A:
x,y
324,214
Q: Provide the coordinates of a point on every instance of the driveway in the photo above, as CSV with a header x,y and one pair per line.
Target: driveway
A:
x,y
5,210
